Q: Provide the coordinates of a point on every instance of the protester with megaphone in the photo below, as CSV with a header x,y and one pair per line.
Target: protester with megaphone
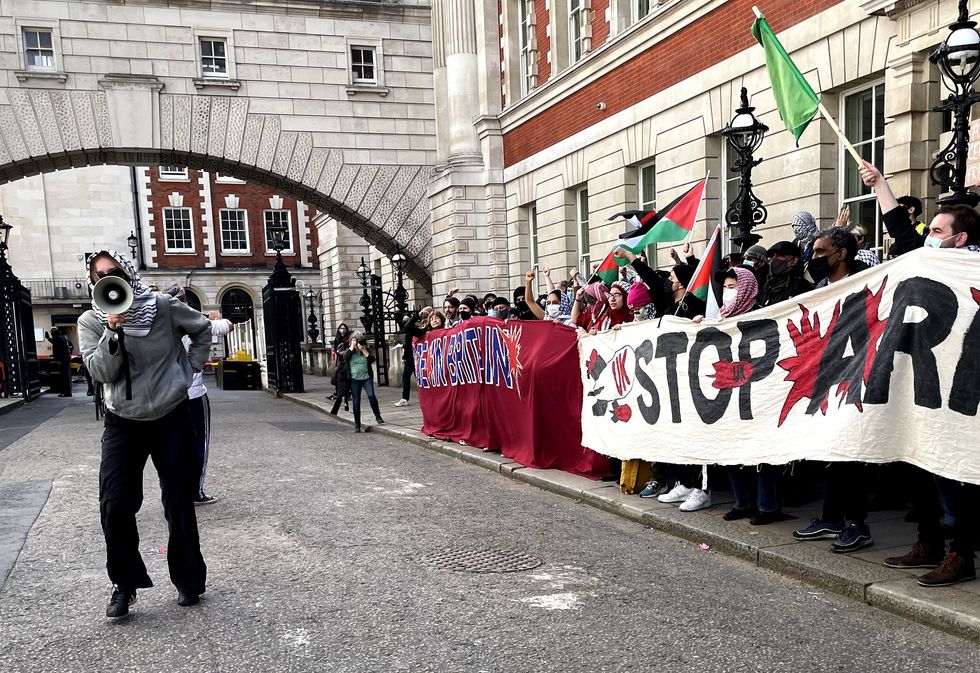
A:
x,y
131,343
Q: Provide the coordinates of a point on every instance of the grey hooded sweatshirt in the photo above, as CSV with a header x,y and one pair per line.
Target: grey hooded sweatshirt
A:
x,y
160,369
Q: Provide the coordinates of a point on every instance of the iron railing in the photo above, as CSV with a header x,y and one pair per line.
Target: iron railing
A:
x,y
66,289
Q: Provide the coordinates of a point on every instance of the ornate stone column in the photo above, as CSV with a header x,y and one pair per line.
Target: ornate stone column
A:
x,y
462,80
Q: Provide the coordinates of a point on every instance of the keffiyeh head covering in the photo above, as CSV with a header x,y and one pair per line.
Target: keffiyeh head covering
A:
x,y
746,291
138,318
805,228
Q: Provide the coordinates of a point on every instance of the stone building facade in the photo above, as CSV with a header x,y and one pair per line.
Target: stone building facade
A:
x,y
553,115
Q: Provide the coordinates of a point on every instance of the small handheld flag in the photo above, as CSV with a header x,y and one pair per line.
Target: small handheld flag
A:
x,y
703,284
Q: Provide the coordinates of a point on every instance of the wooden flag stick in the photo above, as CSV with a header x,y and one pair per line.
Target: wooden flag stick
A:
x,y
840,134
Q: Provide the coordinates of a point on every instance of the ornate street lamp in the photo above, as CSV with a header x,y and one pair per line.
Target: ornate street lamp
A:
x,y
745,134
131,241
312,332
367,320
401,295
4,233
958,59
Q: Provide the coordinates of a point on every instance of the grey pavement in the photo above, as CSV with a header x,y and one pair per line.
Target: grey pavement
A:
x,y
317,552
860,576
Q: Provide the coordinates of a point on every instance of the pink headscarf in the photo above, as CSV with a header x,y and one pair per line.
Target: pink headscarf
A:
x,y
747,289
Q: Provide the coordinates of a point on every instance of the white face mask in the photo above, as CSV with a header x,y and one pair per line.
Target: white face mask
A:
x,y
551,310
728,295
933,242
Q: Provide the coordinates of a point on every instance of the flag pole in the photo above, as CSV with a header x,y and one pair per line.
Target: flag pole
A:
x,y
826,115
704,260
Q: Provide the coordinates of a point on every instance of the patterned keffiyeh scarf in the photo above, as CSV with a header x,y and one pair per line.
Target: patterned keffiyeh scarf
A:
x,y
138,318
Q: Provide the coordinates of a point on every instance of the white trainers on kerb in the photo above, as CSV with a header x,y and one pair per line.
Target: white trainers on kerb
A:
x,y
677,494
401,403
697,500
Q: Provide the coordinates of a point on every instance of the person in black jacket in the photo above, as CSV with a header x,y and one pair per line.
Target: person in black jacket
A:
x,y
61,353
411,329
785,278
670,297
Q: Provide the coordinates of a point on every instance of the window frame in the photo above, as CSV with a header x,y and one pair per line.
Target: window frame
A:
x,y
647,204
583,245
576,23
730,187
378,85
525,44
364,49
201,39
289,230
224,179
878,235
167,249
173,176
221,232
38,31
635,9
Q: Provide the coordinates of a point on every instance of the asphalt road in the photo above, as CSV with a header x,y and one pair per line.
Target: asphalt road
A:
x,y
316,553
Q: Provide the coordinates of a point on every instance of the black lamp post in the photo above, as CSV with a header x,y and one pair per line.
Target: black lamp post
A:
x,y
131,241
401,295
312,298
745,134
4,233
958,59
367,320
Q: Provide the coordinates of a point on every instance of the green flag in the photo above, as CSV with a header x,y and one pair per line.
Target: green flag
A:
x,y
796,101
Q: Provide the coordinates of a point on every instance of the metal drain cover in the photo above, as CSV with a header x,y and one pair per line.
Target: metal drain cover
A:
x,y
480,560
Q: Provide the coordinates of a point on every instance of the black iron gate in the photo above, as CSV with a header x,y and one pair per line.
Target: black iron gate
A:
x,y
19,371
283,317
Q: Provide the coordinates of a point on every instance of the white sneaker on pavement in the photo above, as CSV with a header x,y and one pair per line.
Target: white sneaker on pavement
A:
x,y
697,500
677,494
401,403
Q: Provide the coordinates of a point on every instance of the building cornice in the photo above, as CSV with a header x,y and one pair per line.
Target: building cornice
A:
x,y
326,9
889,8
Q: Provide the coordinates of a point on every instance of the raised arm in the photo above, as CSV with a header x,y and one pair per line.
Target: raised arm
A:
x,y
533,306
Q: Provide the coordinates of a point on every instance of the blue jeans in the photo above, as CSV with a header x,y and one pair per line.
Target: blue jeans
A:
x,y
367,385
767,478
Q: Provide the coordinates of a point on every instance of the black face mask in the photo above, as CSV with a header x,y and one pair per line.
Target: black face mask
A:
x,y
669,285
819,268
464,315
778,267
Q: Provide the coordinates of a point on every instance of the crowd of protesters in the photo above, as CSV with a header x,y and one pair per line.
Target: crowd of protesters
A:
x,y
760,277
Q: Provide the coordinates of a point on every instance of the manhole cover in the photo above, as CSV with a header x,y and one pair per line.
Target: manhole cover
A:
x,y
480,560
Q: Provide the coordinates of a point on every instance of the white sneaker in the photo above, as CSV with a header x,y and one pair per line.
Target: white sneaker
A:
x,y
697,500
677,494
401,403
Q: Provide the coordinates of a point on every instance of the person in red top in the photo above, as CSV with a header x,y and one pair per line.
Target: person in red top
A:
x,y
605,310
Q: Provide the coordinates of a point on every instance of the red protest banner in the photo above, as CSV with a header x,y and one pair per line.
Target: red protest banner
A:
x,y
512,386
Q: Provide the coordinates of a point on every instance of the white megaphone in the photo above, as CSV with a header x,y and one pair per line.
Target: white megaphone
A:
x,y
112,295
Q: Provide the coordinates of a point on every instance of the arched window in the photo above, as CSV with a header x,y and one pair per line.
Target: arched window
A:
x,y
192,299
236,306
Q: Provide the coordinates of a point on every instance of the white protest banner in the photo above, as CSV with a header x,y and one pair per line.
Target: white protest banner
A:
x,y
879,367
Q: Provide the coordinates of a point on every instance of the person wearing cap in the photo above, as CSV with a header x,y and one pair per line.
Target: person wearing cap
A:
x,y
755,259
785,278
914,208
499,308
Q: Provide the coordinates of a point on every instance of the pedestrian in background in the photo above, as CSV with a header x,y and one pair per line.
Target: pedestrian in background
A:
x,y
61,353
359,360
198,401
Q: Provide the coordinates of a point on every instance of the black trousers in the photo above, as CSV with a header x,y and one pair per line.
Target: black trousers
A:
x,y
846,496
407,372
169,442
934,494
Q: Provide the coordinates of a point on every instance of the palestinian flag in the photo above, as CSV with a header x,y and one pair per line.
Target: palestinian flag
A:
x,y
795,99
672,223
703,285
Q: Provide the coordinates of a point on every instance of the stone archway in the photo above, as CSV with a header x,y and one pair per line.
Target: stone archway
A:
x,y
129,121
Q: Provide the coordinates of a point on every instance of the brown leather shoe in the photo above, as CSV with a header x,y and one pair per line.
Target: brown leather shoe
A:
x,y
921,556
955,568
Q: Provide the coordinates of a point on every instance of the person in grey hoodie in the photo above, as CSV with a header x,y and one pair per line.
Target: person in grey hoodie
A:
x,y
144,368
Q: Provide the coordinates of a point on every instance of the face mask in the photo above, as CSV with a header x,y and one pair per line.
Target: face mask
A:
x,y
749,263
669,285
778,267
343,330
933,242
819,268
551,310
728,295
465,315
502,313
